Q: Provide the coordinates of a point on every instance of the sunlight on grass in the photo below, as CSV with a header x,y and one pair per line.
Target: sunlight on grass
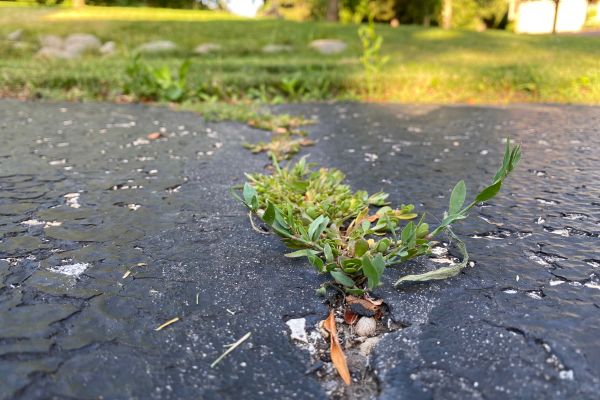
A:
x,y
91,13
437,34
11,4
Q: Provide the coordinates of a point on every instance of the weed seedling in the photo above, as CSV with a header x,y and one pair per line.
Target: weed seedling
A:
x,y
351,235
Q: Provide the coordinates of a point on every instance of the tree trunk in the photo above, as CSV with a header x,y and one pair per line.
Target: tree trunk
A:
x,y
332,10
555,15
447,14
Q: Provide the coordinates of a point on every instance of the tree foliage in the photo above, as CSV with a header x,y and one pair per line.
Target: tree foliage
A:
x,y
466,13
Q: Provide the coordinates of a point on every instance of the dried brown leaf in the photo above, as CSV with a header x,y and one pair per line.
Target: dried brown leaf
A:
x,y
370,306
337,354
350,317
376,302
365,303
373,218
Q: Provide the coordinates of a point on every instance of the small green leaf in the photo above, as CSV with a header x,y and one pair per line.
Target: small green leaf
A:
x,y
408,233
361,246
489,192
516,157
365,225
457,198
300,253
355,291
321,291
422,230
317,227
505,163
269,215
328,252
371,272
379,264
314,225
441,273
351,262
330,267
316,262
378,199
342,278
250,196
383,245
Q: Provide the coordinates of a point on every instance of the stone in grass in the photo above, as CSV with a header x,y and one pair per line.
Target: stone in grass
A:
x,y
157,47
73,46
206,48
55,53
51,41
328,46
108,48
80,43
21,46
276,48
15,35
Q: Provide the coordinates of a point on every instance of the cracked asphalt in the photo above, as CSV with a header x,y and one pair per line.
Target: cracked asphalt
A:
x,y
106,234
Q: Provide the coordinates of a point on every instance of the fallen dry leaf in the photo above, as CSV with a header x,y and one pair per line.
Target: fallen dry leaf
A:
x,y
373,218
350,317
337,354
364,306
307,142
154,135
375,302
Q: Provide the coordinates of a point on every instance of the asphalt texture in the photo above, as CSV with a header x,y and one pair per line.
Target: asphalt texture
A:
x,y
107,234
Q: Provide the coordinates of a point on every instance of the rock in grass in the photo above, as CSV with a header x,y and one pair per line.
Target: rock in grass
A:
x,y
51,41
366,326
73,46
15,35
156,47
206,48
328,46
108,48
22,46
54,53
276,48
80,43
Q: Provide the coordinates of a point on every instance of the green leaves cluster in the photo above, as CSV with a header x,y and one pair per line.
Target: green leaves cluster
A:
x,y
156,83
350,235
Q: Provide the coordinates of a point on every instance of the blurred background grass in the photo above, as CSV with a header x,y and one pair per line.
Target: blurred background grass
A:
x,y
427,65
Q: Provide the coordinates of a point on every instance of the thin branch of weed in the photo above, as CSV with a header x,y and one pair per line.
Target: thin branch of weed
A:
x,y
371,58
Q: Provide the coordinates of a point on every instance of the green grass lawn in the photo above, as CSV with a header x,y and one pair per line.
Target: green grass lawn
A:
x,y
426,65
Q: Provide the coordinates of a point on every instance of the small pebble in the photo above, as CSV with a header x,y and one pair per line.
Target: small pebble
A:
x,y
365,326
368,345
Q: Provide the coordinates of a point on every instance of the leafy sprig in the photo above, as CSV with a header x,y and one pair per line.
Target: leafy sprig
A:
x,y
340,232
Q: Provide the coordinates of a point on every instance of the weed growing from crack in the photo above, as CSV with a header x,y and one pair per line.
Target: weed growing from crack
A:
x,y
287,136
319,216
281,147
